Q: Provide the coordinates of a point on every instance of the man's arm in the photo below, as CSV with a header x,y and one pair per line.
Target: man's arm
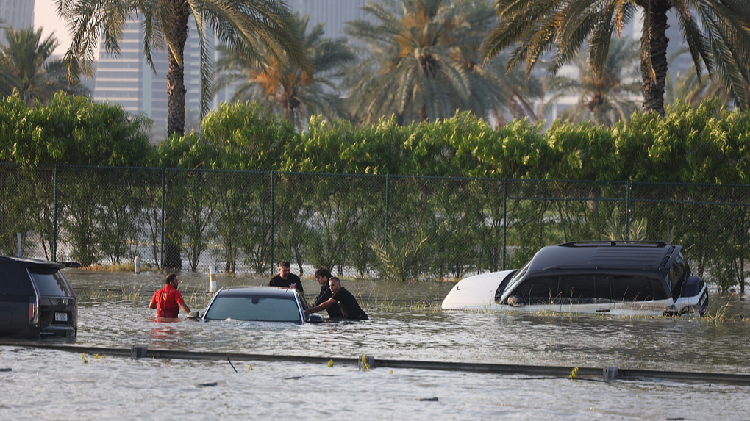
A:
x,y
184,307
152,304
321,306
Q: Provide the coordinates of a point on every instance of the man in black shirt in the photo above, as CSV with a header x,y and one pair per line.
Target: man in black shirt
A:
x,y
323,275
286,279
346,301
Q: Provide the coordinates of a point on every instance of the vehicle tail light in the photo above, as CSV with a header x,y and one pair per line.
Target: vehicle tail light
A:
x,y
33,314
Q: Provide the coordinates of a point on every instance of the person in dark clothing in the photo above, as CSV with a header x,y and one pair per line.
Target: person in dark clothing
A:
x,y
323,275
286,279
347,303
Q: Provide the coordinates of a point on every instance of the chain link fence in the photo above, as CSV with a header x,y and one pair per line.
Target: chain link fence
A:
x,y
359,225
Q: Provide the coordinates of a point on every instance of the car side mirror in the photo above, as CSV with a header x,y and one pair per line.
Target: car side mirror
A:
x,y
515,301
315,318
194,315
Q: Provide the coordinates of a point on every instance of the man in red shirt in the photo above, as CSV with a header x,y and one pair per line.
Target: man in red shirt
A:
x,y
168,301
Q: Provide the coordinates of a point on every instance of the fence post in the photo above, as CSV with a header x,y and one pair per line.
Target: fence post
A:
x,y
387,200
505,220
273,218
628,187
54,213
163,211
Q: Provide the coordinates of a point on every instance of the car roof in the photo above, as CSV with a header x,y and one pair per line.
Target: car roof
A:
x,y
29,262
616,255
262,291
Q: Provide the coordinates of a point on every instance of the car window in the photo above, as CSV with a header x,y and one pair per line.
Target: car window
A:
x,y
637,288
585,288
51,284
14,280
538,290
258,308
508,284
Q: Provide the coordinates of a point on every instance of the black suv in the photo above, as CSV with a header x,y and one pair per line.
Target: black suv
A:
x,y
608,276
36,300
613,277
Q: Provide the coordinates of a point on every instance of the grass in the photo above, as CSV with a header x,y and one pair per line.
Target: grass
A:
x,y
115,267
111,295
195,298
417,306
720,316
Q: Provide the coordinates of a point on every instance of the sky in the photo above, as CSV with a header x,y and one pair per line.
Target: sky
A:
x,y
46,17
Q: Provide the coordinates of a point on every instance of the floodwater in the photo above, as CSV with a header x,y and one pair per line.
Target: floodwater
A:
x,y
404,324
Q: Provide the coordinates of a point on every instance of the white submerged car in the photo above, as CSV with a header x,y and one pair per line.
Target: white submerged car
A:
x,y
613,277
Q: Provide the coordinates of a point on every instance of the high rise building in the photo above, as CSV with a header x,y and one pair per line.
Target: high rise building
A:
x,y
333,13
16,13
129,80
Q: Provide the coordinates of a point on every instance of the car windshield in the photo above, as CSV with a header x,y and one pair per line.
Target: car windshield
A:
x,y
51,284
255,308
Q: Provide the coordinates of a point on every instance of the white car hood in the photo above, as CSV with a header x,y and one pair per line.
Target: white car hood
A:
x,y
474,292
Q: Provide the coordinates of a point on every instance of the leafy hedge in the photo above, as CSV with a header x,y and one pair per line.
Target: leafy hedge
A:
x,y
705,145
72,130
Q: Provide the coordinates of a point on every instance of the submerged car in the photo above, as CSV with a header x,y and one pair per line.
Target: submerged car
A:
x,y
36,301
261,304
613,277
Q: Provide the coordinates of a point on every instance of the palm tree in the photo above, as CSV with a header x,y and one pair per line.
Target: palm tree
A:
x,y
520,93
22,60
691,88
249,26
604,98
58,73
423,61
290,90
717,34
8,81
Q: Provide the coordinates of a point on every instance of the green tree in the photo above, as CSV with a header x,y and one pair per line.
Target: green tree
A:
x,y
58,74
605,97
691,88
8,81
250,26
717,34
283,86
422,61
23,59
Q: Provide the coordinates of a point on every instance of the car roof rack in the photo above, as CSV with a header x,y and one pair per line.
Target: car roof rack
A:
x,y
657,244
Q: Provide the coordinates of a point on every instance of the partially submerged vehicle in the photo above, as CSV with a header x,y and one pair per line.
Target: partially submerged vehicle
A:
x,y
258,304
612,277
36,301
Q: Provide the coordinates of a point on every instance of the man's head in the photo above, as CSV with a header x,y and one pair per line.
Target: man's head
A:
x,y
335,284
322,275
171,279
284,269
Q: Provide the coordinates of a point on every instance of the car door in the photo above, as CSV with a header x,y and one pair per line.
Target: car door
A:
x,y
586,293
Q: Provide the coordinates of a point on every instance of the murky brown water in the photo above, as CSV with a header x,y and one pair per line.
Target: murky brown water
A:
x,y
404,324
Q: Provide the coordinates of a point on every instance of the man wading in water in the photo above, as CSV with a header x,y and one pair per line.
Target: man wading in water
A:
x,y
347,303
168,301
286,279
323,276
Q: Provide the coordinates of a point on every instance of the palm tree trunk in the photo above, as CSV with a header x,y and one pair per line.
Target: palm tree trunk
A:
x,y
176,124
176,74
653,88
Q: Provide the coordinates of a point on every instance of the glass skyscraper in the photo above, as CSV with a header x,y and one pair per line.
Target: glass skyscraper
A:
x,y
16,13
